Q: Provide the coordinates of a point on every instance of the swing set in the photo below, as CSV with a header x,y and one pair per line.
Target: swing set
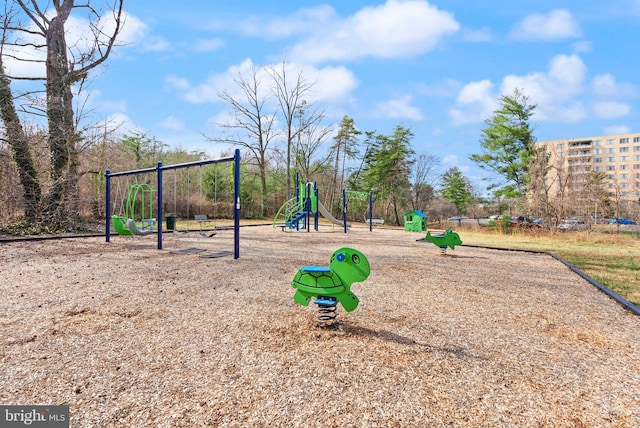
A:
x,y
125,224
143,195
199,214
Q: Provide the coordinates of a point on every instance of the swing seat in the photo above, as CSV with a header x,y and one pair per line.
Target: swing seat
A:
x,y
120,225
374,221
134,229
201,218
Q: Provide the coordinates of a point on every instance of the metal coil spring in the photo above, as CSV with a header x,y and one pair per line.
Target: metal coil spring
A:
x,y
443,251
327,312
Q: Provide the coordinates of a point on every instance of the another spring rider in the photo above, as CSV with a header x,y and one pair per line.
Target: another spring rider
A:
x,y
330,285
447,239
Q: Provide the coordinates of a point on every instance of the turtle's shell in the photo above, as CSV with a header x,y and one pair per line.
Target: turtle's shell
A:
x,y
317,279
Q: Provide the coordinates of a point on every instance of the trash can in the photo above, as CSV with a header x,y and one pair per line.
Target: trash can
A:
x,y
171,221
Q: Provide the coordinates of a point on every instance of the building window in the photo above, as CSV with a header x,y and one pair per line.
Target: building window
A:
x,y
610,142
597,160
636,148
611,176
610,168
611,150
560,146
624,149
598,168
623,176
636,139
597,151
624,141
636,166
597,143
623,167
611,159
623,158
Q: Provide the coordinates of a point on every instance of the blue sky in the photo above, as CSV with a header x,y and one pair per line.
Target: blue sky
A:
x,y
438,67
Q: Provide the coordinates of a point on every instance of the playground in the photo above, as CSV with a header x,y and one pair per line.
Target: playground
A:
x,y
132,336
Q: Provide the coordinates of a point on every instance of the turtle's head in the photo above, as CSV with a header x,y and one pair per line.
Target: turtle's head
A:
x,y
350,265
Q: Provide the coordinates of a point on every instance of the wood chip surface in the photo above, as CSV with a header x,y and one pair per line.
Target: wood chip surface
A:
x,y
131,336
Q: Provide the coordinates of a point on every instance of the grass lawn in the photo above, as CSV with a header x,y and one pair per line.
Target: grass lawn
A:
x,y
610,258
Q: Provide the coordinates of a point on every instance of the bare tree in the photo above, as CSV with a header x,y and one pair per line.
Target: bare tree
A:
x,y
557,188
252,126
290,96
424,180
15,135
311,136
65,66
345,146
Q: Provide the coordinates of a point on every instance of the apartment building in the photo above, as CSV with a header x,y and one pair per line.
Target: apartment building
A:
x,y
617,156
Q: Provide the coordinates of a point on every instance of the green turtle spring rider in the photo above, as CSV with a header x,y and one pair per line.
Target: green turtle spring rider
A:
x,y
443,240
330,285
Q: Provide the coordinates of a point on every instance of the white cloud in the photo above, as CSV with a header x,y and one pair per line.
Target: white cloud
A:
x,y
207,91
444,88
173,123
80,40
605,85
554,92
330,84
558,24
617,129
136,32
610,110
477,36
179,83
561,94
209,45
398,28
450,160
475,102
304,21
97,102
133,29
153,43
399,108
583,46
122,122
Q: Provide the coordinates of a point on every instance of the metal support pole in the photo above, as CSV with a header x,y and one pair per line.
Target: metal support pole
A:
x,y
236,211
370,211
159,210
307,206
344,209
107,225
315,214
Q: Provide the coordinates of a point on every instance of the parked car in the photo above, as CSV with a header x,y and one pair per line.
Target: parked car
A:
x,y
526,221
573,224
622,221
456,218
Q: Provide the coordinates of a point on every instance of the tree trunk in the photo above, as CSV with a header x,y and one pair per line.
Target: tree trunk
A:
x,y
19,149
62,139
